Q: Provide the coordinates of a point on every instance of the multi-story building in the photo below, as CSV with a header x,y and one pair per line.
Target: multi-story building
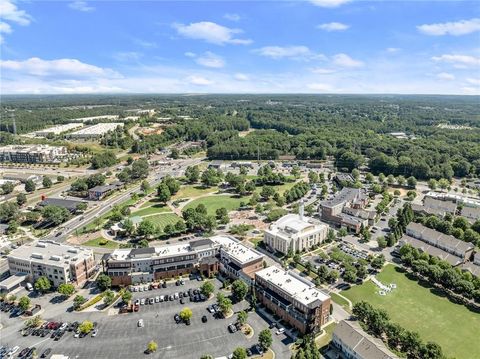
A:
x,y
59,263
140,265
295,232
347,209
355,343
236,259
32,153
293,298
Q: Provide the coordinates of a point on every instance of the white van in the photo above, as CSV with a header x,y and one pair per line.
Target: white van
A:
x,y
29,286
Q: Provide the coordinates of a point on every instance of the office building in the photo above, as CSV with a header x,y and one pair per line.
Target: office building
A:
x,y
293,298
295,232
59,263
32,153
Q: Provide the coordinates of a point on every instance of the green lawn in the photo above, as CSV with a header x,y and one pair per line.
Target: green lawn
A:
x,y
150,202
340,301
325,338
97,242
163,219
214,202
280,188
191,191
256,241
416,308
156,208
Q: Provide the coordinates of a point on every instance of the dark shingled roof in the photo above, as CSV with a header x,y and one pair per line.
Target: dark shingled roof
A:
x,y
201,243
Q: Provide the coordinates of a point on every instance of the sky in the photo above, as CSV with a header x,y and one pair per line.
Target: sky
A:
x,y
317,46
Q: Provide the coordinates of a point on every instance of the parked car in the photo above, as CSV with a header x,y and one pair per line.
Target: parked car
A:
x,y
46,352
204,319
140,323
182,301
177,318
157,299
232,328
23,352
142,301
13,350
280,331
94,333
151,300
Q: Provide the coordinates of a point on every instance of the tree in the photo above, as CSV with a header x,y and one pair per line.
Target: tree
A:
x,y
85,327
152,346
8,211
369,177
60,178
47,182
21,199
192,173
239,290
108,297
55,214
295,172
174,154
443,183
265,339
12,227
242,317
313,177
382,242
411,182
221,212
432,184
239,353
146,228
145,186
103,159
24,302
267,192
30,186
103,281
34,322
78,301
66,289
43,284
186,314
82,206
126,296
350,275
224,303
163,193
8,187
210,177
180,226
207,288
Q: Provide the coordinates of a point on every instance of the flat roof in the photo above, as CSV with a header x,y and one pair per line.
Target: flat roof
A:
x,y
292,225
295,286
50,252
347,194
235,249
12,281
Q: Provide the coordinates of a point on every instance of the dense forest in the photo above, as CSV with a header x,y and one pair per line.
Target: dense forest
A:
x,y
354,130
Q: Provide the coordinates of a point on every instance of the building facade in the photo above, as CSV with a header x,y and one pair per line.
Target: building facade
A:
x,y
293,298
32,153
141,265
295,232
59,263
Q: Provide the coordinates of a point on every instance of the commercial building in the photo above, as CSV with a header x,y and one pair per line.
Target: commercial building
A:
x,y
344,209
295,232
354,343
59,263
293,298
95,118
141,265
95,131
236,259
438,244
343,179
99,192
56,130
32,153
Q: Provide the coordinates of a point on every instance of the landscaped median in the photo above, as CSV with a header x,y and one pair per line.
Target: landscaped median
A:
x,y
91,302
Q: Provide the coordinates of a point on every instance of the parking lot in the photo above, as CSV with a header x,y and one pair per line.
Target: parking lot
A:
x,y
120,337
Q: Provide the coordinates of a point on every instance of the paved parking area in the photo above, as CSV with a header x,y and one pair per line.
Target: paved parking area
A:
x,y
120,337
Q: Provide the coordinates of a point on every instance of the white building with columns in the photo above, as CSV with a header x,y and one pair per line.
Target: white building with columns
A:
x,y
296,232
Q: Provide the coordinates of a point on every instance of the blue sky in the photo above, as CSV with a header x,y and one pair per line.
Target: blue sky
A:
x,y
318,46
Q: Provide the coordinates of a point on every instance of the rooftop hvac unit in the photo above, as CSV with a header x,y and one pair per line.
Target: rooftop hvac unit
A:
x,y
55,258
37,255
41,245
73,250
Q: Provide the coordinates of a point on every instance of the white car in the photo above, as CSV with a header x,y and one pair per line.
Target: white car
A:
x,y
77,335
137,302
13,350
94,333
142,301
64,326
140,323
280,331
140,289
135,289
176,296
162,298
157,299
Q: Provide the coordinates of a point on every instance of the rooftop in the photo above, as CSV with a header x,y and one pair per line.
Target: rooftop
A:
x,y
50,252
236,249
352,335
292,225
347,194
293,285
69,204
434,251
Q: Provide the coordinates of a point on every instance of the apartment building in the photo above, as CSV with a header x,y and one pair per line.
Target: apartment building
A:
x,y
293,298
59,263
433,206
140,265
355,343
295,232
236,259
32,153
347,209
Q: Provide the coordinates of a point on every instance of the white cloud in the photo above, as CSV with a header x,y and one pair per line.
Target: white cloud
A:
x,y
145,44
209,59
462,27
127,56
232,17
241,77
323,71
392,50
199,80
467,90
329,3
190,54
474,81
70,67
333,26
320,87
459,61
292,52
211,32
10,12
445,76
4,28
343,60
80,6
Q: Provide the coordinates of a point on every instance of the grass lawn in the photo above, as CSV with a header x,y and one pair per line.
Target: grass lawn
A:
x,y
215,202
256,241
280,188
163,219
326,337
97,242
156,208
150,203
340,301
190,191
416,308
